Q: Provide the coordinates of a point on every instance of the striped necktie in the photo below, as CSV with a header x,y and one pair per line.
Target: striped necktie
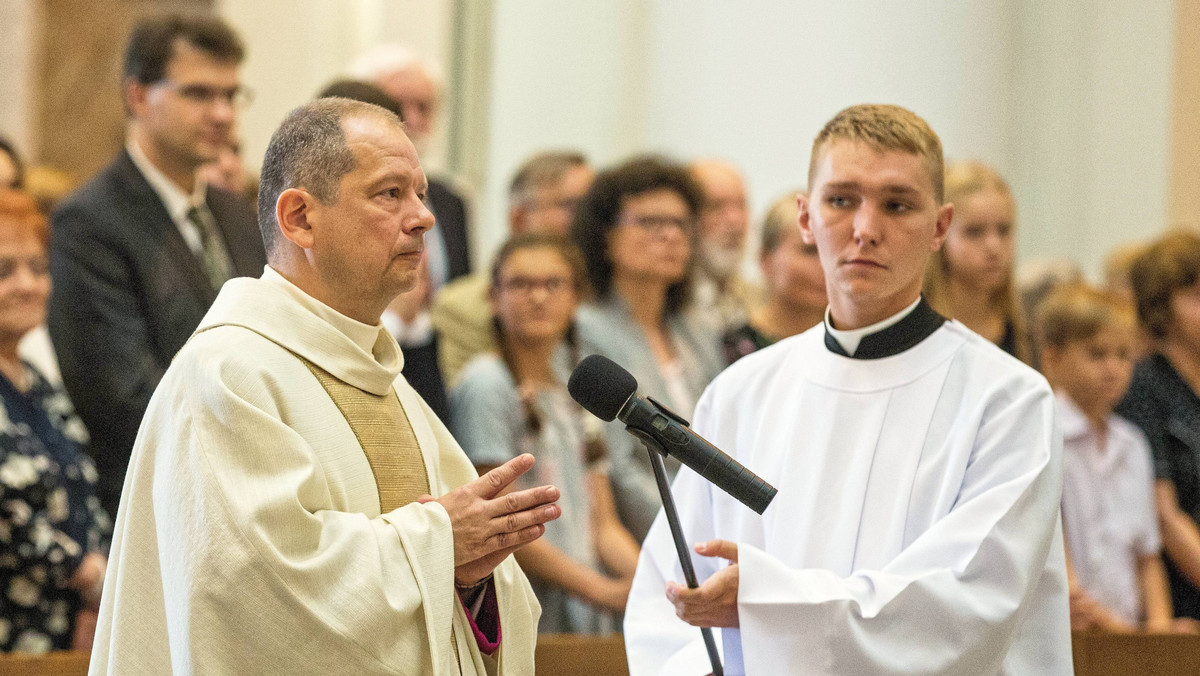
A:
x,y
217,266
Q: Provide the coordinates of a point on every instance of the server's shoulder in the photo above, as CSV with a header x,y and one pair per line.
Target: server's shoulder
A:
x,y
982,360
768,363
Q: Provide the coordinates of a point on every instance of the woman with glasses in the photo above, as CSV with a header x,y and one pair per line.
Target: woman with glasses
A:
x,y
515,401
636,227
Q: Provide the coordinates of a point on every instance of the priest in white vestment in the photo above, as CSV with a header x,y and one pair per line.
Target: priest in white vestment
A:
x,y
292,506
916,529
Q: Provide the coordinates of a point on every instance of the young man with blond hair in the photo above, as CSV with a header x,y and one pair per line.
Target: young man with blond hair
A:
x,y
916,529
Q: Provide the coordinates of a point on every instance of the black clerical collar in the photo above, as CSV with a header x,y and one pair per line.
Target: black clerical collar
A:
x,y
916,326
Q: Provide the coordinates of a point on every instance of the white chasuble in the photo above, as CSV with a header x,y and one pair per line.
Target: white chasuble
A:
x,y
250,538
916,529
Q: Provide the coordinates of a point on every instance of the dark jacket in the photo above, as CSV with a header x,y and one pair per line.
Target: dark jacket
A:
x,y
127,294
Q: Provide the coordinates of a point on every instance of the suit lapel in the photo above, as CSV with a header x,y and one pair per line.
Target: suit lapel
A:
x,y
145,201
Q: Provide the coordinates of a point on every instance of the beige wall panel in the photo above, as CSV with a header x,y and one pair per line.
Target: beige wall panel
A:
x,y
1185,118
79,123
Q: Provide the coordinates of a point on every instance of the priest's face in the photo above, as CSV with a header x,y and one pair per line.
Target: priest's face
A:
x,y
367,245
875,219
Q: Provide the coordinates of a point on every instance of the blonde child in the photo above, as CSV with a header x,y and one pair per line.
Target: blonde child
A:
x,y
1118,583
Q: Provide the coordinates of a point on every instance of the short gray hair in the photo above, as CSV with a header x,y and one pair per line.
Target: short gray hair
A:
x,y
541,170
309,151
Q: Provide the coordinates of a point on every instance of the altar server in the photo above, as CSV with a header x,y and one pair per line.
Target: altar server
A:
x,y
279,514
916,529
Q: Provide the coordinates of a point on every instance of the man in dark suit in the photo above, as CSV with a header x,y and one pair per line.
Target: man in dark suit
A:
x,y
137,255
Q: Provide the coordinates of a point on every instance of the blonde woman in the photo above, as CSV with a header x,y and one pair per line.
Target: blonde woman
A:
x,y
971,277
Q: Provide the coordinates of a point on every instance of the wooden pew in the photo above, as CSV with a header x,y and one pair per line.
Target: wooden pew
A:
x,y
1135,654
63,663
567,655
571,655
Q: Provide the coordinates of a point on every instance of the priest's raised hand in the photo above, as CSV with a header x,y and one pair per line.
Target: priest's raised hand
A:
x,y
488,526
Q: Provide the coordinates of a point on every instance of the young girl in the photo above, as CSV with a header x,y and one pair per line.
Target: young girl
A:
x,y
515,401
794,281
971,277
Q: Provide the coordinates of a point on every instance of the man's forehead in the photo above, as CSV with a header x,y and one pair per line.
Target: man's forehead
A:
x,y
197,62
378,142
848,163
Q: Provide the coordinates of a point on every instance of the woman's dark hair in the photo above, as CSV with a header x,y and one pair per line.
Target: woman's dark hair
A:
x,y
600,209
9,149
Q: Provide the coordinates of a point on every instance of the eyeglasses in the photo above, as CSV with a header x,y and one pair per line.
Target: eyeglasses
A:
x,y
657,225
203,95
526,285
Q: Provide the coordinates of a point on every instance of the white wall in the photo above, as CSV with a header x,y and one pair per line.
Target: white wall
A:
x,y
1072,103
17,41
1090,142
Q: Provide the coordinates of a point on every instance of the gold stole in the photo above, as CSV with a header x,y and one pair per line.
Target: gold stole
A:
x,y
386,436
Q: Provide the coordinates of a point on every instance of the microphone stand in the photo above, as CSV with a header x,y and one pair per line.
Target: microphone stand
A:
x,y
657,452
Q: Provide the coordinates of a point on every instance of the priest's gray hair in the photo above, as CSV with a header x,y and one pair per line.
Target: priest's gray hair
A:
x,y
309,151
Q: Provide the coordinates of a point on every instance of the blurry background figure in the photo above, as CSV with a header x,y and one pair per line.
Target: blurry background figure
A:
x,y
1164,401
542,197
139,252
48,186
794,283
408,317
51,523
1036,280
514,400
416,85
1116,575
971,277
720,294
11,168
1118,266
45,186
637,230
229,174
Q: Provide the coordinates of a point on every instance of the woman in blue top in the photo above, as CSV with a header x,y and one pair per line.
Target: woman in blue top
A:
x,y
515,401
51,524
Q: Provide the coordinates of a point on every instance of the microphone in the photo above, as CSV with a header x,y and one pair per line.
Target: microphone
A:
x,y
608,391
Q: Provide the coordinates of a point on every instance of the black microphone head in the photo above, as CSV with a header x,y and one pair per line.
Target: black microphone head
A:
x,y
601,386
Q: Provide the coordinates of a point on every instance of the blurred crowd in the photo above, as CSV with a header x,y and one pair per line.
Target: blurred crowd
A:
x,y
642,261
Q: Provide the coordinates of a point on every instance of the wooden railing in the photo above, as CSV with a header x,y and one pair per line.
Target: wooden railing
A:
x,y
567,655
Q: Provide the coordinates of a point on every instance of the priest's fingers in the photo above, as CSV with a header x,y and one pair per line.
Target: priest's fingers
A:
x,y
508,524
482,566
723,548
520,501
491,484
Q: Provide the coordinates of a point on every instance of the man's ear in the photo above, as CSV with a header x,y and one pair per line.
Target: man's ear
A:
x,y
516,218
294,213
1051,357
134,95
945,216
804,221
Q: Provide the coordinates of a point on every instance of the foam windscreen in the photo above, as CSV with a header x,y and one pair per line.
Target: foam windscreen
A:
x,y
601,386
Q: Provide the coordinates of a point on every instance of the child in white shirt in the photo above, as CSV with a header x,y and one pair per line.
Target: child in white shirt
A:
x,y
1117,580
